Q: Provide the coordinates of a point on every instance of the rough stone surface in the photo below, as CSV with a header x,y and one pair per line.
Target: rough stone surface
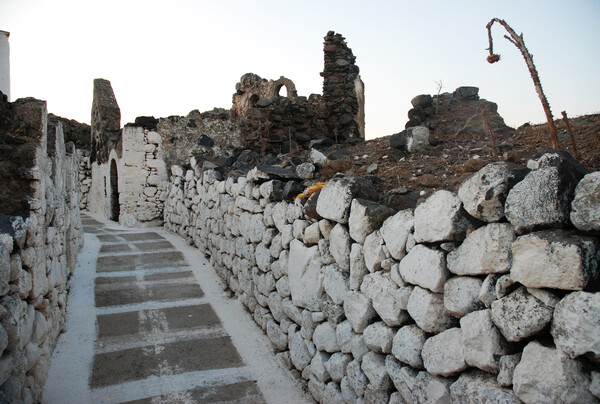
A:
x,y
428,388
357,378
335,283
425,267
556,259
358,310
483,195
483,344
576,324
395,231
339,246
520,315
358,268
373,251
389,300
542,199
549,375
408,344
373,364
378,337
508,363
443,353
461,295
305,275
475,386
427,309
585,208
441,218
337,364
366,217
484,251
325,339
336,197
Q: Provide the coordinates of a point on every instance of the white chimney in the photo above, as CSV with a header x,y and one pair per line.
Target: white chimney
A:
x,y
5,64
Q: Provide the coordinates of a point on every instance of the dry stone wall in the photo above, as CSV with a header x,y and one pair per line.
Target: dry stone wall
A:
x,y
40,237
487,295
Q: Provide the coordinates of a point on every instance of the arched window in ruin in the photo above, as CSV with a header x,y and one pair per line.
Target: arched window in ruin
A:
x,y
283,87
253,100
114,192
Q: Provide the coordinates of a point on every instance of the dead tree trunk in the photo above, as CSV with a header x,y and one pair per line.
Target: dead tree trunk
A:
x,y
518,41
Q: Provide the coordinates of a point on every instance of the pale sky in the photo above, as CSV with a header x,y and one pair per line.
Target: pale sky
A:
x,y
170,57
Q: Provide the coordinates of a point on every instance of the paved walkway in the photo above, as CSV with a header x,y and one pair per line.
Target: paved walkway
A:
x,y
142,329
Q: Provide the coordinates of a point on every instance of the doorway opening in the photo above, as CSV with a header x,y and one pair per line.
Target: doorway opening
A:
x,y
114,192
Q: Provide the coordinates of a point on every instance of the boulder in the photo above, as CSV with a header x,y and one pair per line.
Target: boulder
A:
x,y
325,339
332,394
344,334
348,393
357,378
395,231
482,342
358,310
483,195
373,251
422,100
373,364
585,208
467,92
548,375
389,300
317,158
443,353
335,283
339,246
428,388
520,315
305,171
541,200
311,234
427,309
425,267
366,217
358,268
475,387
576,324
378,337
408,344
336,197
508,363
337,364
305,275
299,352
441,218
556,259
484,251
461,295
317,367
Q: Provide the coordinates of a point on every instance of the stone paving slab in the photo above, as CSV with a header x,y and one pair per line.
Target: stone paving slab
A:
x,y
130,262
243,392
163,359
122,293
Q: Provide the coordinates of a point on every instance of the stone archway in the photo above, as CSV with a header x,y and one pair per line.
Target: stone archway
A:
x,y
115,208
289,85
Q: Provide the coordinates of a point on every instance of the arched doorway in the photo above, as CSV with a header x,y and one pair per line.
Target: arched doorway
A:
x,y
114,192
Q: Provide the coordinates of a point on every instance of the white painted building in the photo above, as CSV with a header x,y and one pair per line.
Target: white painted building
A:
x,y
5,63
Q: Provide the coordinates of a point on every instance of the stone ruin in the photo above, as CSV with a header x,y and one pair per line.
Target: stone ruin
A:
x,y
488,294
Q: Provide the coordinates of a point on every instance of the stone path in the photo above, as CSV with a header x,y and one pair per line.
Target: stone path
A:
x,y
154,335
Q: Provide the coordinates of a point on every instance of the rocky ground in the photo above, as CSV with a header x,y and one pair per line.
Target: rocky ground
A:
x,y
457,156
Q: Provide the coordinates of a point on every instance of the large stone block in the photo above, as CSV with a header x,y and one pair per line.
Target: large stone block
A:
x,y
461,295
482,342
441,218
305,275
585,208
336,197
576,324
373,364
395,231
443,353
425,267
484,251
556,259
378,337
427,309
474,387
541,200
325,338
408,344
335,283
547,375
366,217
520,315
389,300
483,194
358,310
339,246
373,251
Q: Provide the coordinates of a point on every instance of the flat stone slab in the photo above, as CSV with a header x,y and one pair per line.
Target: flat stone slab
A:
x,y
122,293
243,392
140,236
171,358
130,262
168,319
151,246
